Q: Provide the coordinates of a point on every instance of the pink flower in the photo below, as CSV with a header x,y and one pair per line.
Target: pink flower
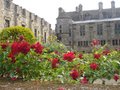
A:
x,y
84,80
74,74
116,77
69,56
55,62
94,66
97,56
81,56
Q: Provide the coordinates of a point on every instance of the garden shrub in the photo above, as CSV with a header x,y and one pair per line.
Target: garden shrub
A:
x,y
52,62
12,33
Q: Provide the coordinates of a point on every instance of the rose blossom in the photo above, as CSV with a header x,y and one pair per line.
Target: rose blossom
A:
x,y
38,48
69,56
74,74
97,56
55,62
116,77
84,80
94,66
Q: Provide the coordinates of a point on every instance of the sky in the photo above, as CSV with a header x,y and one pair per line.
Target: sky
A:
x,y
48,9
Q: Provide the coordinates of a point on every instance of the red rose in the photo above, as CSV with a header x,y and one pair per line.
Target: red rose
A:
x,y
38,48
24,47
14,48
81,56
69,56
97,56
116,77
106,52
94,66
95,42
84,80
4,46
21,38
55,63
74,74
56,52
11,55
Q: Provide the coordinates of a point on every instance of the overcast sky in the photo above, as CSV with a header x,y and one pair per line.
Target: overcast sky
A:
x,y
48,9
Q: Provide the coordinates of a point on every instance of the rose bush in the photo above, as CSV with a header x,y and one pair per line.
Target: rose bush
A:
x,y
52,62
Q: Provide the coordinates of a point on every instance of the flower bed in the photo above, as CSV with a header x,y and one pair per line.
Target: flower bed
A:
x,y
21,60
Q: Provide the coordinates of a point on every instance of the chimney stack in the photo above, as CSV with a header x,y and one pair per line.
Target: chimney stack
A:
x,y
112,4
100,5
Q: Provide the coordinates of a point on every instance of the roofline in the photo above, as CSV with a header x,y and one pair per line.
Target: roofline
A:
x,y
101,20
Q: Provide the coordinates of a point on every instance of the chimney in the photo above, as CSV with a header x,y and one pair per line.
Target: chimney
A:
x,y
112,4
80,7
77,9
100,10
100,5
113,9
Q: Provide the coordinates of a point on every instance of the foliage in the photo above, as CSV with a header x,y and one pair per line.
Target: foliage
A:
x,y
12,33
51,62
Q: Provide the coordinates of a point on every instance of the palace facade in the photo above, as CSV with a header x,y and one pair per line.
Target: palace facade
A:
x,y
78,28
15,15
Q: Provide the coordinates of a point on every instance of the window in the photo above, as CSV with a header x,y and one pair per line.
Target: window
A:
x,y
82,30
45,36
79,43
115,42
35,32
102,42
7,4
69,32
36,17
99,29
23,25
117,28
7,23
83,43
60,31
70,43
60,26
23,12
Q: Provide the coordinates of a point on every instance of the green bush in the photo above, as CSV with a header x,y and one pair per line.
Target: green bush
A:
x,y
12,34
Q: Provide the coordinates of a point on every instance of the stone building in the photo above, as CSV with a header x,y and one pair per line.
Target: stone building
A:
x,y
78,28
14,15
